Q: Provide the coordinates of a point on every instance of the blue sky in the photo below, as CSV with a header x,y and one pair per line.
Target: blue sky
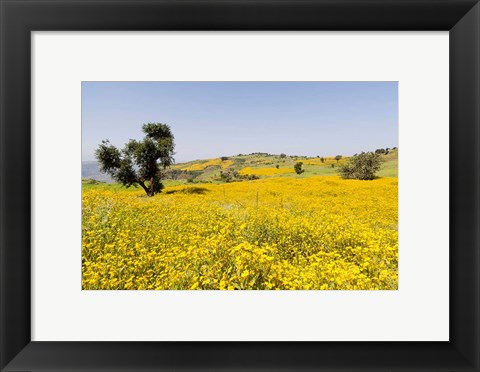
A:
x,y
212,119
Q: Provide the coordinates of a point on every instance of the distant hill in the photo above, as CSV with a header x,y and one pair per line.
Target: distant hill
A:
x,y
263,165
275,165
91,170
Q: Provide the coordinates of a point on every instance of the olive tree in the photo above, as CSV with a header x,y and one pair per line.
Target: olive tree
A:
x,y
361,167
140,162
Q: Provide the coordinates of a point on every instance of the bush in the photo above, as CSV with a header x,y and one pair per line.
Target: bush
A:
x,y
224,158
338,157
361,167
282,155
231,175
277,166
250,177
298,168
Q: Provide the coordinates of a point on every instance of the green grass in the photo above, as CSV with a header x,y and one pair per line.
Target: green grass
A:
x,y
389,169
105,186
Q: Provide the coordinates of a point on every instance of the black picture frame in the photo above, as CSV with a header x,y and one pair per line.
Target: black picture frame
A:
x,y
18,18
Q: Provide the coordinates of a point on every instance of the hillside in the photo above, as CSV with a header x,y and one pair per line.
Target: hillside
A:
x,y
268,165
262,165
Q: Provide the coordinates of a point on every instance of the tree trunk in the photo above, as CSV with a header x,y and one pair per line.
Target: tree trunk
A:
x,y
152,190
141,183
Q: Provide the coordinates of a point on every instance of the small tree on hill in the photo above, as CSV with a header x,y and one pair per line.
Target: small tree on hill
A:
x,y
338,157
322,159
361,167
139,162
298,168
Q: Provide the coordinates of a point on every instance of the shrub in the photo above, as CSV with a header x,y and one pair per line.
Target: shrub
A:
x,y
298,168
338,157
361,167
250,177
231,175
277,166
282,155
224,158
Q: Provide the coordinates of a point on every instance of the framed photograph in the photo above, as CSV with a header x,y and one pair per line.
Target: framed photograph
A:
x,y
239,185
247,219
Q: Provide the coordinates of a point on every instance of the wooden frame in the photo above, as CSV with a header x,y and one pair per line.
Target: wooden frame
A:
x,y
19,17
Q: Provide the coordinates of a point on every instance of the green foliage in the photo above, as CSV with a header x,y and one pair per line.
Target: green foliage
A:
x,y
361,167
282,155
224,158
140,162
338,157
277,166
298,167
231,175
322,159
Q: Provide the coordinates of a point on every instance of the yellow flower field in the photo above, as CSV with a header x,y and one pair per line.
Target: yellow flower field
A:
x,y
266,171
209,163
276,233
